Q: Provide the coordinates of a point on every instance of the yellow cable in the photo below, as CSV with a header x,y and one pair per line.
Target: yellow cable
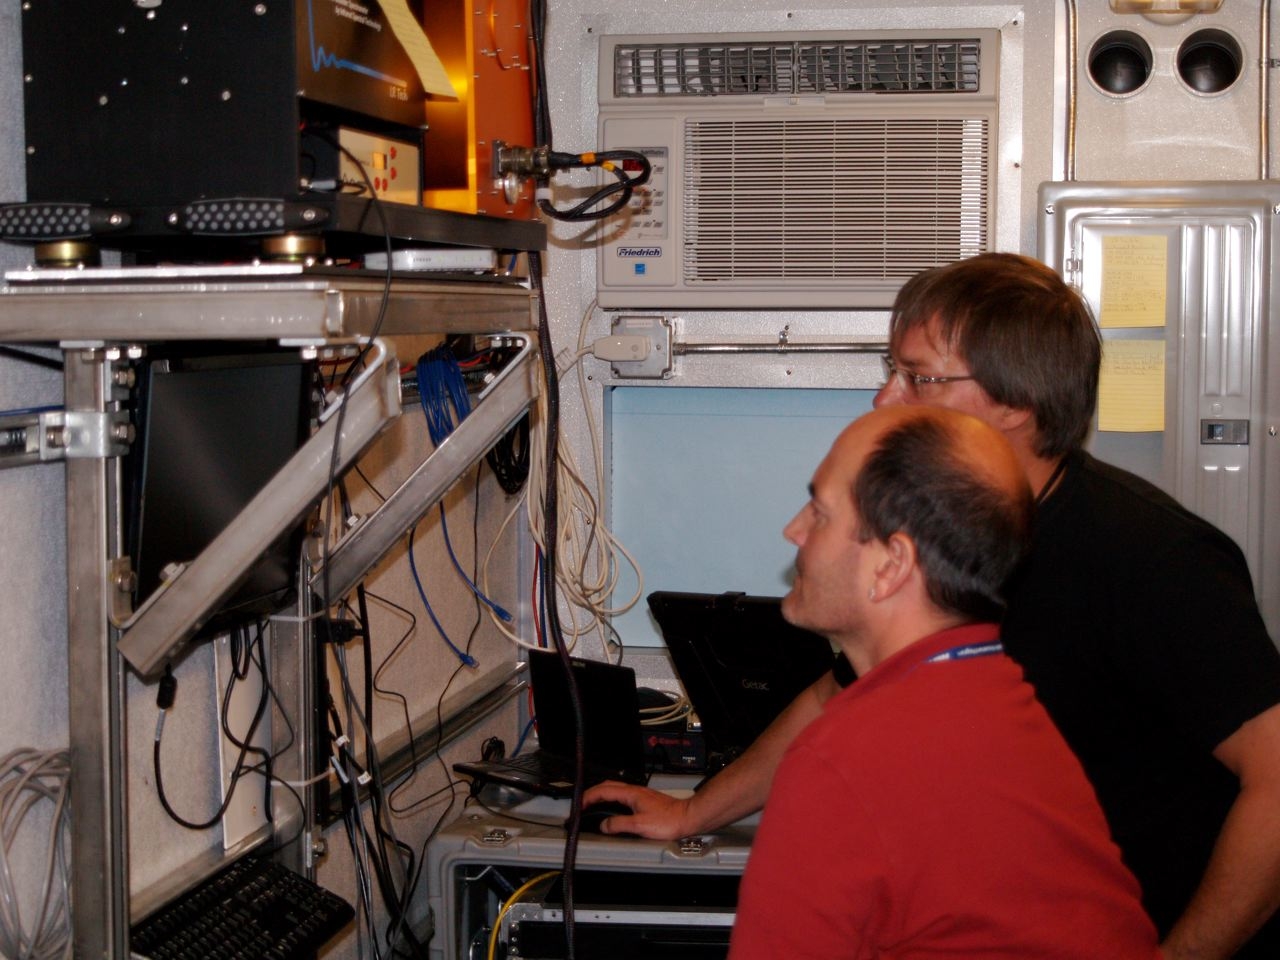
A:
x,y
497,924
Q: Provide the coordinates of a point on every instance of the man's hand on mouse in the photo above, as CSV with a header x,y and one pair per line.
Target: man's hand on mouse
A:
x,y
655,815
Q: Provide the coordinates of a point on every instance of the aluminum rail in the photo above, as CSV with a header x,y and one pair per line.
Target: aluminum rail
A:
x,y
245,302
182,604
501,405
1265,64
95,680
1073,54
781,347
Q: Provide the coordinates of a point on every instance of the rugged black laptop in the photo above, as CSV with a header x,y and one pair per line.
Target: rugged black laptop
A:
x,y
739,661
612,741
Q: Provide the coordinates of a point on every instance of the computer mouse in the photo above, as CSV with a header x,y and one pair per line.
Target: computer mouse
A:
x,y
597,813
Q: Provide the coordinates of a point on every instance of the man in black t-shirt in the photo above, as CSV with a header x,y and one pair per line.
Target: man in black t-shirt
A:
x,y
1134,619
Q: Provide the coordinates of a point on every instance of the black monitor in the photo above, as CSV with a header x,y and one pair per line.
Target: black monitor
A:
x,y
214,424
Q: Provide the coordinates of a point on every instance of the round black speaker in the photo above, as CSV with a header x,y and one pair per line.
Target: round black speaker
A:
x,y
1120,62
1209,61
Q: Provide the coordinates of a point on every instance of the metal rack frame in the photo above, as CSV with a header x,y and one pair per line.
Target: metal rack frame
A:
x,y
97,316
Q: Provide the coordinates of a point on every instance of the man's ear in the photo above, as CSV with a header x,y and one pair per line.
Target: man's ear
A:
x,y
897,563
1011,419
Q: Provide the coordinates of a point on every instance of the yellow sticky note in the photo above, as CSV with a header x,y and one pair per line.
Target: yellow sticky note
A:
x,y
1131,387
1134,277
414,40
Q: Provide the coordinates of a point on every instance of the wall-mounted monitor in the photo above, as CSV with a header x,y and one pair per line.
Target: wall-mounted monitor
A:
x,y
214,424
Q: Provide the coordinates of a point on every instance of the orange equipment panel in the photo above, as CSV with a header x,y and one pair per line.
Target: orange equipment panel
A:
x,y
486,49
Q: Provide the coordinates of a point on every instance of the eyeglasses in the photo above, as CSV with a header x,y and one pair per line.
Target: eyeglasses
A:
x,y
913,381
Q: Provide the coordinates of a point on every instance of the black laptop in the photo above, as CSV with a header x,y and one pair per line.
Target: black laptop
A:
x,y
739,661
612,739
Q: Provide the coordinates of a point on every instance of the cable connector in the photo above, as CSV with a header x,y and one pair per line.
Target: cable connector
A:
x,y
168,689
165,694
625,348
329,630
532,162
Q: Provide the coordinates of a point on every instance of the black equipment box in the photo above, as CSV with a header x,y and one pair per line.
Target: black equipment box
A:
x,y
626,917
142,102
635,899
173,119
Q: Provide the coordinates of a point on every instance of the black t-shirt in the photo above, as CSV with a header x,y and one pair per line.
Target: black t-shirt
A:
x,y
1136,622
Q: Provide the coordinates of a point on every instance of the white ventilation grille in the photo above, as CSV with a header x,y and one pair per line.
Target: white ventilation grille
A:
x,y
798,171
839,199
730,68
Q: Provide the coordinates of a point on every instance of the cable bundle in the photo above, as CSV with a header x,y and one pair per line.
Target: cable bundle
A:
x,y
442,392
615,162
27,777
592,559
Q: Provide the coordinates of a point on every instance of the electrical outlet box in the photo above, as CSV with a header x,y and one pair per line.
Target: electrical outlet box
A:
x,y
658,364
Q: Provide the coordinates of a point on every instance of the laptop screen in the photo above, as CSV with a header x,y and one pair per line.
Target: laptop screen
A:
x,y
610,712
739,661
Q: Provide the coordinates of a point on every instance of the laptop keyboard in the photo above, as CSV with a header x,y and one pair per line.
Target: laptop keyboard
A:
x,y
529,763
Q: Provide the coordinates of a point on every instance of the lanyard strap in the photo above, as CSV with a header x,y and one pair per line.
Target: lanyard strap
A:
x,y
1054,477
968,651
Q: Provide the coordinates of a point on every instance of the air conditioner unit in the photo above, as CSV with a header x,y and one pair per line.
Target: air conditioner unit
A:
x,y
815,171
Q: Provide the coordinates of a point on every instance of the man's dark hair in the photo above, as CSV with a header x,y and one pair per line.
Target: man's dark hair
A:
x,y
1029,339
969,531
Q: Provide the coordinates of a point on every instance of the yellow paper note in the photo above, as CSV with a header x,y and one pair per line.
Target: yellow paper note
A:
x,y
1131,388
414,40
1134,275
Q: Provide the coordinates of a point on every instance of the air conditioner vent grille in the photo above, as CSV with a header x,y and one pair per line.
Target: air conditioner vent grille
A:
x,y
797,67
839,199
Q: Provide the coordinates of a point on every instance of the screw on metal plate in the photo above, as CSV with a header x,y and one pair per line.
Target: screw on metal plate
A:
x,y
495,837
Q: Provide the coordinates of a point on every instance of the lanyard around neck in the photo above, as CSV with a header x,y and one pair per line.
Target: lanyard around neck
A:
x,y
1054,477
968,651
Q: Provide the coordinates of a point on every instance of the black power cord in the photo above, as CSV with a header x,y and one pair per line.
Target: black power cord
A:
x,y
613,162
551,604
165,696
509,457
384,848
620,163
13,353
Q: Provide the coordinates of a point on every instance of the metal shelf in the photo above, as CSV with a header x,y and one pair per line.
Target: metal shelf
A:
x,y
282,302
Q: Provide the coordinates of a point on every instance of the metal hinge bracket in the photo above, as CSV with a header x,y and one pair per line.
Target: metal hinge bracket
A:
x,y
62,434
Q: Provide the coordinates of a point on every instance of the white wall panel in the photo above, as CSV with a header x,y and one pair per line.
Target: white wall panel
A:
x,y
1166,130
